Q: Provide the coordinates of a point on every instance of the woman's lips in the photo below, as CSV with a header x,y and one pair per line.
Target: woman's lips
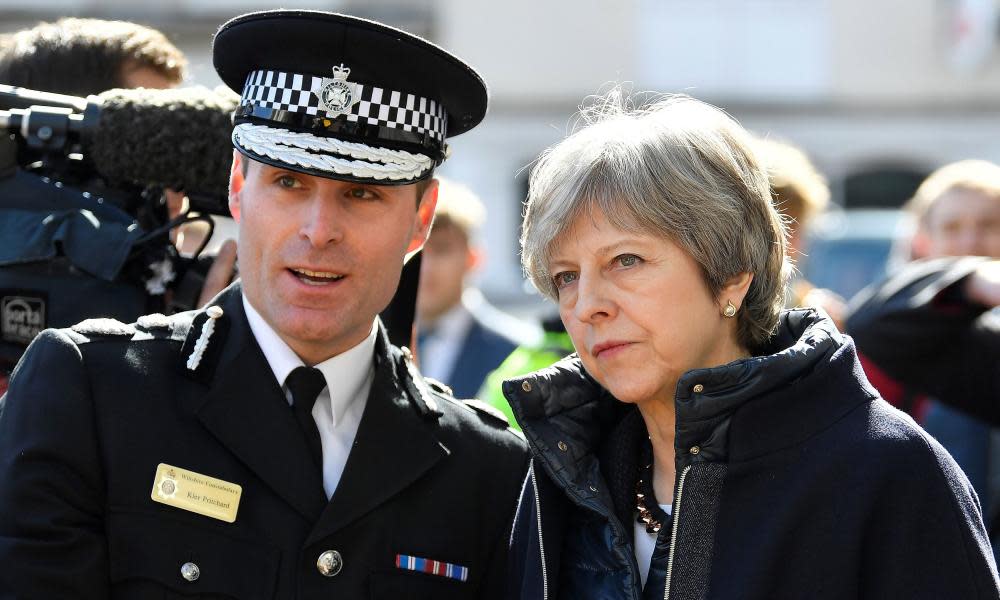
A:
x,y
609,349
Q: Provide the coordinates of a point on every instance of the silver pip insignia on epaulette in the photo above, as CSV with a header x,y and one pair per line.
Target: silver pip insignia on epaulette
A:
x,y
213,312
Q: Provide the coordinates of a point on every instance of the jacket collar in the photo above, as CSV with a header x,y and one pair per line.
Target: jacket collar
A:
x,y
746,408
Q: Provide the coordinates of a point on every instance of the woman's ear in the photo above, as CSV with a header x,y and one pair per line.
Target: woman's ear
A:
x,y
734,290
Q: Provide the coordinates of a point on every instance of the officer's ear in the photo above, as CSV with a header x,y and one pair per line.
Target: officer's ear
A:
x,y
236,180
425,216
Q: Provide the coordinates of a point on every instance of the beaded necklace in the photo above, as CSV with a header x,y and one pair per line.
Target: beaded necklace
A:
x,y
649,512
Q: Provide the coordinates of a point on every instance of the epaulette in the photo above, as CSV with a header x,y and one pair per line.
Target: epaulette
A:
x,y
485,409
103,326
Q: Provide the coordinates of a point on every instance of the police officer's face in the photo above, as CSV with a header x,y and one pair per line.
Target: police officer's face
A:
x,y
319,258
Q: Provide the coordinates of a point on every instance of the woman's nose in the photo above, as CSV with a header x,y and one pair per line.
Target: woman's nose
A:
x,y
593,300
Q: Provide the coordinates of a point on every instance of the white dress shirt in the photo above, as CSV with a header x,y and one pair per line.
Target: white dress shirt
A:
x,y
339,406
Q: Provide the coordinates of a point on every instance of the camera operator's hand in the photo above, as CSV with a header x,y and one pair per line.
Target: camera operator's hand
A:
x,y
983,285
187,238
220,274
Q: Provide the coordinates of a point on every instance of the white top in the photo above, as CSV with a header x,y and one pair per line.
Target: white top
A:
x,y
438,353
339,407
645,543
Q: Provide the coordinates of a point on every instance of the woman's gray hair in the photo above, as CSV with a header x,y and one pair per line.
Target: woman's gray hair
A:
x,y
674,167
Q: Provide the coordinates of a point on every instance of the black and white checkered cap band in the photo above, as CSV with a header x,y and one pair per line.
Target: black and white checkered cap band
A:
x,y
299,93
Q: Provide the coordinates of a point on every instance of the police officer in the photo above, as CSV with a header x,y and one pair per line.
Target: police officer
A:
x,y
274,444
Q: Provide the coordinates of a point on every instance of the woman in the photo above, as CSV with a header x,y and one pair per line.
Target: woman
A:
x,y
703,443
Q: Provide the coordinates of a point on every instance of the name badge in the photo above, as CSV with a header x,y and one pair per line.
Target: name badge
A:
x,y
197,493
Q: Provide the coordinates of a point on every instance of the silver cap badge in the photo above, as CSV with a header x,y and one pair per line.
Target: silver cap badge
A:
x,y
337,95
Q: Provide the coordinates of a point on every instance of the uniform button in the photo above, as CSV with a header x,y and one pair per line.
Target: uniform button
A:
x,y
329,563
695,450
562,446
526,386
190,571
698,388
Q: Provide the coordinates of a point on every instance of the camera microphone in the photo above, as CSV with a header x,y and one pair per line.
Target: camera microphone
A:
x,y
18,97
169,138
177,138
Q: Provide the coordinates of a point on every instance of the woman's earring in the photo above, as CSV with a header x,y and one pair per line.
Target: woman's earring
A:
x,y
730,311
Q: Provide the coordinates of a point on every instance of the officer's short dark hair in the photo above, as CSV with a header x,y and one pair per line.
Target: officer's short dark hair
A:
x,y
85,56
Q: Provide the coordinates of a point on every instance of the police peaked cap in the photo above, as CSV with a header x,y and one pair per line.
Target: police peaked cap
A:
x,y
341,97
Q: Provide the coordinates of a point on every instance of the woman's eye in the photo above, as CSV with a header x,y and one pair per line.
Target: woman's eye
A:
x,y
628,260
565,278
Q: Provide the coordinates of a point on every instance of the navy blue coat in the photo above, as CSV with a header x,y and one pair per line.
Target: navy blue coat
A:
x,y
795,480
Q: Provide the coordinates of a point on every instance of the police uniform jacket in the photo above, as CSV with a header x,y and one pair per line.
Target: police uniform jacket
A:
x,y
93,411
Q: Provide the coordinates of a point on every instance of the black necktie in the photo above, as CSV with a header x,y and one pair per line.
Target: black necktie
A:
x,y
306,383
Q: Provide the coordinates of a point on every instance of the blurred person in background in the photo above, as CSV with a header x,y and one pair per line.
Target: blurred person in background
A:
x,y
800,193
706,443
460,336
929,330
80,57
957,209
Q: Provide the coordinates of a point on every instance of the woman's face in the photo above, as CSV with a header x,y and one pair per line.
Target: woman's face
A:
x,y
638,310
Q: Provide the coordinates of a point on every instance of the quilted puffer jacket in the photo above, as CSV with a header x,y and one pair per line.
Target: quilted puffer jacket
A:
x,y
794,480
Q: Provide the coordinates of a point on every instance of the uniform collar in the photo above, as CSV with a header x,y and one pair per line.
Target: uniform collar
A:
x,y
346,373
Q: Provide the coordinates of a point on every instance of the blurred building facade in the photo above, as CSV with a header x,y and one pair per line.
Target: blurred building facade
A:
x,y
879,93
